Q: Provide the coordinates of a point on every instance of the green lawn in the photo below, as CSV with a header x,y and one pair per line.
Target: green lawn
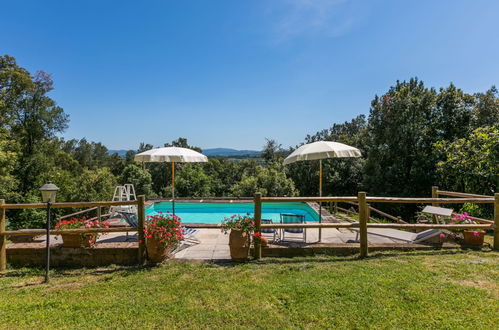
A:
x,y
441,289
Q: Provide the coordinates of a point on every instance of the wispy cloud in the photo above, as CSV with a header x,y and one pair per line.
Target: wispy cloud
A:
x,y
296,18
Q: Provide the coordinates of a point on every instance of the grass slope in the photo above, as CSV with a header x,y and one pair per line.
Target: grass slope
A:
x,y
410,290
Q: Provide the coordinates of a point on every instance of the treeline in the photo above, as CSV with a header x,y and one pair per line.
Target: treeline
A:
x,y
413,138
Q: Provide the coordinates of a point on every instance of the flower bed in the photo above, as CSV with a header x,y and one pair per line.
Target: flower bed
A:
x,y
80,240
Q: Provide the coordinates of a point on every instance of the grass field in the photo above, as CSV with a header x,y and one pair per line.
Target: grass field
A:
x,y
439,289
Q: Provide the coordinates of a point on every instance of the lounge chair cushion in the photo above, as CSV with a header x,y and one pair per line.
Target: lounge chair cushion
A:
x,y
292,218
268,230
402,235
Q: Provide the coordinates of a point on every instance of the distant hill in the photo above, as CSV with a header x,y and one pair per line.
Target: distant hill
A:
x,y
213,152
121,152
227,152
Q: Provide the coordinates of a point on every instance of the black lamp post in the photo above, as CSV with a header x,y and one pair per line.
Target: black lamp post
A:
x,y
49,190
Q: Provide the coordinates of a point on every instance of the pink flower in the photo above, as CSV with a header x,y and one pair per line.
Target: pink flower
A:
x,y
442,235
475,233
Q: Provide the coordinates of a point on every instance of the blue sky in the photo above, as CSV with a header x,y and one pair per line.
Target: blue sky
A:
x,y
232,73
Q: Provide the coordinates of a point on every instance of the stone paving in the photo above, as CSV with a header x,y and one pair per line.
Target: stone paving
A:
x,y
212,244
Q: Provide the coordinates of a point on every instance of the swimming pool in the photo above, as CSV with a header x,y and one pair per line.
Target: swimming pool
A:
x,y
216,212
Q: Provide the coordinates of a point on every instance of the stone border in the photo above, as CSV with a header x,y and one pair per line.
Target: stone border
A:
x,y
104,254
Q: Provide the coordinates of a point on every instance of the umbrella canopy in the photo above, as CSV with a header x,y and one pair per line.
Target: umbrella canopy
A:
x,y
171,154
322,150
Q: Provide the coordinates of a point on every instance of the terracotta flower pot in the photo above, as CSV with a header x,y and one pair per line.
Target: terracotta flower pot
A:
x,y
78,240
239,243
470,238
263,241
156,252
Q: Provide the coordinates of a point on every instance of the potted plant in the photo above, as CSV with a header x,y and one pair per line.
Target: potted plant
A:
x,y
79,240
163,234
240,227
258,237
470,237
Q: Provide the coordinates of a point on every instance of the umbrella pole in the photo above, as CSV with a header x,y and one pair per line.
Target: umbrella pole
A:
x,y
320,195
320,177
173,187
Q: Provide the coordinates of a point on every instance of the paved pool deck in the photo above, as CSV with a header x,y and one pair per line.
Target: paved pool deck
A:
x,y
210,244
213,245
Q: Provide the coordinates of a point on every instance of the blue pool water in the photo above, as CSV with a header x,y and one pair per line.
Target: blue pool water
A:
x,y
216,212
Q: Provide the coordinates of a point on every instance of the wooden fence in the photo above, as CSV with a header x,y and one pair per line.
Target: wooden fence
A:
x,y
362,199
140,202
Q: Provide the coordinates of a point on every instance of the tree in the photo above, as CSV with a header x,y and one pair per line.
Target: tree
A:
x,y
8,162
350,132
400,136
223,173
341,175
34,116
271,151
29,114
486,109
139,177
454,112
470,164
192,181
182,143
270,181
88,154
95,185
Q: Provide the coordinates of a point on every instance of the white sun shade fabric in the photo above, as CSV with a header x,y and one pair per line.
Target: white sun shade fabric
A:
x,y
171,154
322,150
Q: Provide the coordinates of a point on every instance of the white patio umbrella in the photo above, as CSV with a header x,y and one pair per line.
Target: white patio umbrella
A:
x,y
173,155
322,150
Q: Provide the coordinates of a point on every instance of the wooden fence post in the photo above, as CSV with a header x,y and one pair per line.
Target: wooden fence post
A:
x,y
140,226
258,221
3,239
496,222
434,194
363,214
99,213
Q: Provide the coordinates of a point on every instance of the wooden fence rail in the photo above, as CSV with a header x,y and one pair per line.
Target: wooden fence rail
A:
x,y
362,200
77,213
410,200
376,225
384,214
459,194
66,205
36,232
140,202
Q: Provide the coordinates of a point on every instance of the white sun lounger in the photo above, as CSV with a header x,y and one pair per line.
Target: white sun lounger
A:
x,y
401,235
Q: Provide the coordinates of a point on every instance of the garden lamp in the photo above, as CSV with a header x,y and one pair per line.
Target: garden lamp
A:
x,y
49,190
